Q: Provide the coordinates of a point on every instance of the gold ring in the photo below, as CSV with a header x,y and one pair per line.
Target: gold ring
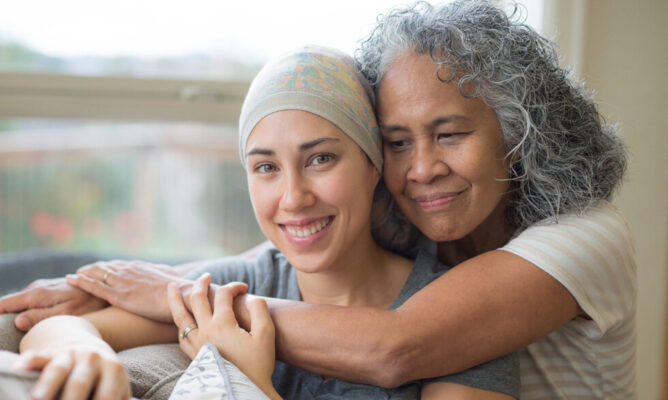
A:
x,y
186,331
106,275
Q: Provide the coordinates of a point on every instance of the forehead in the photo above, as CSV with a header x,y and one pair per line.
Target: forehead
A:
x,y
411,85
293,127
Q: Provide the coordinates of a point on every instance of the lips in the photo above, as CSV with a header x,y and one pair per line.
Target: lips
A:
x,y
306,232
308,229
436,199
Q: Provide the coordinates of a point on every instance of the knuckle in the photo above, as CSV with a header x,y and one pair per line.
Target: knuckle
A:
x,y
59,368
85,268
116,367
92,357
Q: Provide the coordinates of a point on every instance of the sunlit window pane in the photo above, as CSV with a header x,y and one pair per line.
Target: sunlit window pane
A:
x,y
200,39
145,189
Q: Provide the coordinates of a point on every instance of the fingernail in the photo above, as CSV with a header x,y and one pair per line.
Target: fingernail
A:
x,y
71,276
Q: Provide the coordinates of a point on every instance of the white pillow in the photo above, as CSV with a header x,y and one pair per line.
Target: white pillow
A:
x,y
211,377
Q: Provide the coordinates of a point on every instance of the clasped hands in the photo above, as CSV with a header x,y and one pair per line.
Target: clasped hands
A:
x,y
252,351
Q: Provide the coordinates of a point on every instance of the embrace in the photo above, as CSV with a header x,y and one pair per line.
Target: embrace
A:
x,y
439,215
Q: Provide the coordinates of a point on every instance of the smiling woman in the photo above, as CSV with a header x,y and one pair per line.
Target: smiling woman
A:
x,y
315,185
446,162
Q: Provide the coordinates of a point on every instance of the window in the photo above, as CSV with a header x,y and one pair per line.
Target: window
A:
x,y
118,119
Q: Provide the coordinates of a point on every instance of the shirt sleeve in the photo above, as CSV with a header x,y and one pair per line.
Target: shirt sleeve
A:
x,y
592,255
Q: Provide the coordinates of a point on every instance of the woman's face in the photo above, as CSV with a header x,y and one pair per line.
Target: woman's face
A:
x,y
444,153
311,188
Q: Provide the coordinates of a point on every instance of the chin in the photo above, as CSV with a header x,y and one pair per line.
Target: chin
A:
x,y
305,263
441,230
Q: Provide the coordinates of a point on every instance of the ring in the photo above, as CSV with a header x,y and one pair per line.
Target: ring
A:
x,y
186,331
106,275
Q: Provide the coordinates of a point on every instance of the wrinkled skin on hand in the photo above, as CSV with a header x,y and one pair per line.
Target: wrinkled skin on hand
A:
x,y
136,286
44,298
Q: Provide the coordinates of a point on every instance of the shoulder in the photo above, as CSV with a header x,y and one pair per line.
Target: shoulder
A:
x,y
602,221
592,255
597,238
265,273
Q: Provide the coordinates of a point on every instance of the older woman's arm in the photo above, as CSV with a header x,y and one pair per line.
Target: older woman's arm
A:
x,y
485,307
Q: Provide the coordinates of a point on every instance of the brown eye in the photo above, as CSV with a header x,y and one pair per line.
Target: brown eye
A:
x,y
265,168
397,145
322,159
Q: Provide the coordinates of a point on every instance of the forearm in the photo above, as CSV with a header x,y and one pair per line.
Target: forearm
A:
x,y
350,343
326,339
471,314
60,332
124,330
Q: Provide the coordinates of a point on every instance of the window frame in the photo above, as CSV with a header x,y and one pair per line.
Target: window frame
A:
x,y
43,95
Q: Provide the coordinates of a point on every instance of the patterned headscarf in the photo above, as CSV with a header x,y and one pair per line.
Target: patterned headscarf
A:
x,y
319,80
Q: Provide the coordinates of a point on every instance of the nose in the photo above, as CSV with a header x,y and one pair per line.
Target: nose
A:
x,y
427,163
297,193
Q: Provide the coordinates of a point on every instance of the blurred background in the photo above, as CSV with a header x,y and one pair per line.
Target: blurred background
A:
x,y
118,123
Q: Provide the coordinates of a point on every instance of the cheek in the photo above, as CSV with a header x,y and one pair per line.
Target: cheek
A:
x,y
339,190
261,200
350,189
394,173
489,181
483,162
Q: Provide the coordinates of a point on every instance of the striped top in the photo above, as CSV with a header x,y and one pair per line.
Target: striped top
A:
x,y
592,255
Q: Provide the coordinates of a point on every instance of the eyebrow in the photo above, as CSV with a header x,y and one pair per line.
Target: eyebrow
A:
x,y
302,147
436,121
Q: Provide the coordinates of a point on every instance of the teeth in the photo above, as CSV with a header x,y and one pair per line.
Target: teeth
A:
x,y
308,231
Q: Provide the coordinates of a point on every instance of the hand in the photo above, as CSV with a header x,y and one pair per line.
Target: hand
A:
x,y
135,286
48,297
82,372
253,352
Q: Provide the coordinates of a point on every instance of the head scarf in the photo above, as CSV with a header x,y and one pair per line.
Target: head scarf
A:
x,y
319,80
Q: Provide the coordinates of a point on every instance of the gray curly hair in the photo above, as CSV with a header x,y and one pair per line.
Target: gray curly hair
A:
x,y
563,158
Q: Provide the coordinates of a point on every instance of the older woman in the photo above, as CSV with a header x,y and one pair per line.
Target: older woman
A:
x,y
504,163
494,154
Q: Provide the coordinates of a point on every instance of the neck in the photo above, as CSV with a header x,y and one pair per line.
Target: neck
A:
x,y
494,232
366,275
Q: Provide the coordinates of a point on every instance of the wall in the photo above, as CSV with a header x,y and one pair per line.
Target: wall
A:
x,y
619,48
